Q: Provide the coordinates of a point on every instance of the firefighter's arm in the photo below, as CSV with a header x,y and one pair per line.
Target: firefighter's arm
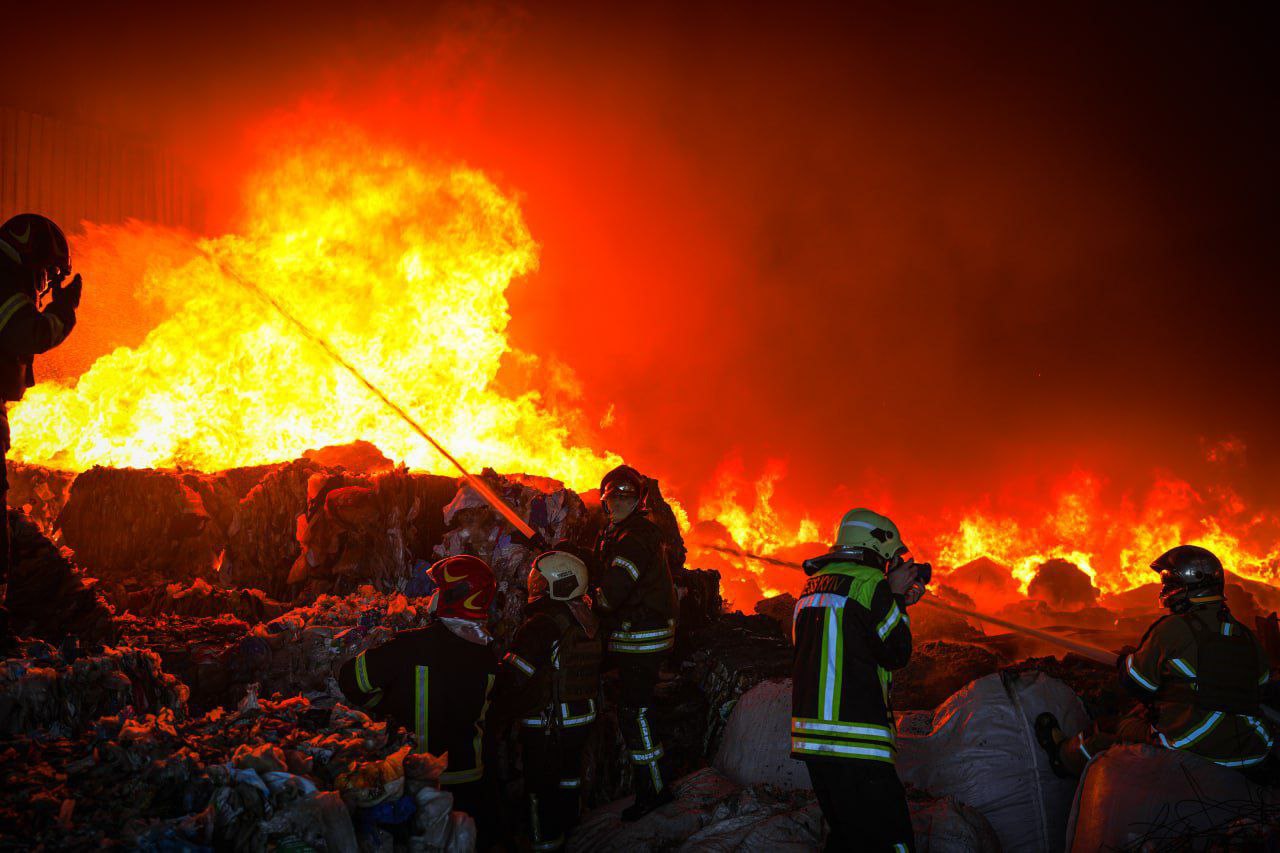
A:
x,y
26,331
530,651
362,678
888,628
1141,671
619,579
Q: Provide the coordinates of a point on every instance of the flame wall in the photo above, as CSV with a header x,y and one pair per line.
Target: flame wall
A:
x,y
1007,277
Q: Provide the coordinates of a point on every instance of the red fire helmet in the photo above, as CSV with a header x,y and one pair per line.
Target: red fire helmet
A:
x,y
464,588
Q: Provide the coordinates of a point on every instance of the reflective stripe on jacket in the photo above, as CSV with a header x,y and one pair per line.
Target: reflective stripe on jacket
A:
x,y
851,632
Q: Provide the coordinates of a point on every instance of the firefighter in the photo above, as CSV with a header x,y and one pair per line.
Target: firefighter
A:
x,y
851,632
437,681
636,600
1198,675
549,681
34,260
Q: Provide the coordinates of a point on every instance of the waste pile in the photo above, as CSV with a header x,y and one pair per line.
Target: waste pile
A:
x,y
140,717
266,775
60,692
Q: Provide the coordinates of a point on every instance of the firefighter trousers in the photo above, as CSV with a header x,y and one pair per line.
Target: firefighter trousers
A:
x,y
864,804
552,760
638,674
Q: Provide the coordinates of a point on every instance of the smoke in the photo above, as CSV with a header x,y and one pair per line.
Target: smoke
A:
x,y
932,259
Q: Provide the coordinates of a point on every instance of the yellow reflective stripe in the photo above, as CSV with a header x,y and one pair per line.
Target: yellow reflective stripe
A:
x,y
362,674
627,566
459,777
421,693
56,329
12,305
373,703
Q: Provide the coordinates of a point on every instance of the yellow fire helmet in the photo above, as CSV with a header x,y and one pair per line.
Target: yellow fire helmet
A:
x,y
864,529
558,574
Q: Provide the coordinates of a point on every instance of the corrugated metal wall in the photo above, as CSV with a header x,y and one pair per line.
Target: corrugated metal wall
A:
x,y
71,173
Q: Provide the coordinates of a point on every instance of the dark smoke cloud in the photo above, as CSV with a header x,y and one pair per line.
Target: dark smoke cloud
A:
x,y
919,253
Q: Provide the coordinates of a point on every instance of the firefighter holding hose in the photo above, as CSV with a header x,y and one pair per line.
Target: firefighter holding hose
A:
x,y
1198,674
35,260
851,632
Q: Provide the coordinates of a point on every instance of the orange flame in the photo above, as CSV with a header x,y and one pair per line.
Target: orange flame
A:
x,y
402,267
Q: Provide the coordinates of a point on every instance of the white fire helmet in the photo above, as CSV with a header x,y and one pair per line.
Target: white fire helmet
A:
x,y
558,574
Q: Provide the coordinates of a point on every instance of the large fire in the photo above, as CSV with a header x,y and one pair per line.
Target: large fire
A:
x,y
401,266
404,268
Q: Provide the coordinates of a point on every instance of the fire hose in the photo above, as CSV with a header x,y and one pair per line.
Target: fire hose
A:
x,y
481,487
1096,653
1092,652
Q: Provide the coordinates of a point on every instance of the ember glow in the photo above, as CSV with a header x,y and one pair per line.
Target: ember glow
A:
x,y
402,266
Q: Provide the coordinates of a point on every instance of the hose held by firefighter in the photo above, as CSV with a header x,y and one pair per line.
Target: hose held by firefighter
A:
x,y
35,260
438,681
548,683
636,600
851,632
1198,675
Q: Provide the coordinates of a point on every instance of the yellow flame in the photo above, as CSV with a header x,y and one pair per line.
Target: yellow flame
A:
x,y
402,267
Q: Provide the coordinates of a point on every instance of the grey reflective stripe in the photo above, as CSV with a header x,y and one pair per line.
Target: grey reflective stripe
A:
x,y
628,566
837,729
841,749
570,784
865,525
668,631
1136,676
520,663
11,306
645,648
646,756
1207,725
1181,666
890,621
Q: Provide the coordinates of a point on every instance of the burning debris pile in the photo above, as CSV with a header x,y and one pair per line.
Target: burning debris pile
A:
x,y
189,640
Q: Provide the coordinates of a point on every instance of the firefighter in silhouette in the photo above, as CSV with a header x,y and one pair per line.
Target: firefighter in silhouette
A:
x,y
636,600
1198,674
549,681
34,262
851,632
437,681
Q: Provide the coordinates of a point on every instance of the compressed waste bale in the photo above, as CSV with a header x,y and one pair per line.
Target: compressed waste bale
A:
x,y
699,594
45,692
199,598
779,608
39,492
756,746
138,526
262,540
1136,796
982,751
938,669
48,597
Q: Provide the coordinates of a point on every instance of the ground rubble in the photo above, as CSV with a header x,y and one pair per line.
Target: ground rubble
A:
x,y
189,702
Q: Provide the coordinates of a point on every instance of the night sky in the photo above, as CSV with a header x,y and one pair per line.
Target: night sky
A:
x,y
923,252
